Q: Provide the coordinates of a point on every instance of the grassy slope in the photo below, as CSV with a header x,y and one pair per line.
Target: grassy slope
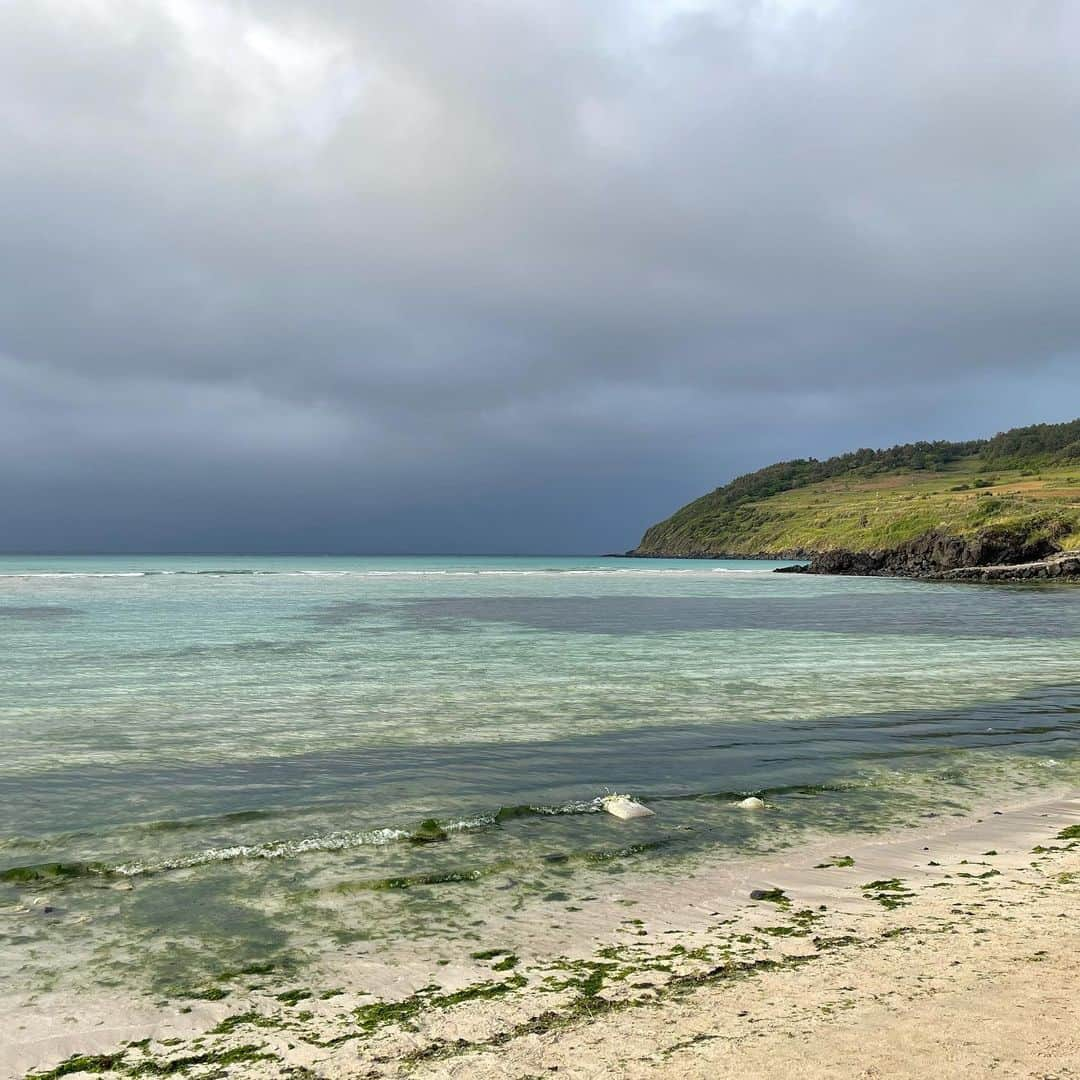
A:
x,y
861,513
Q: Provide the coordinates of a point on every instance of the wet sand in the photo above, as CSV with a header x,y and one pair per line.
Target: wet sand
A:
x,y
949,949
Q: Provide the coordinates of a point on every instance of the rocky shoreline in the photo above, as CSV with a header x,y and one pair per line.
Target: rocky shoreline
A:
x,y
992,556
996,556
757,556
1065,566
1062,567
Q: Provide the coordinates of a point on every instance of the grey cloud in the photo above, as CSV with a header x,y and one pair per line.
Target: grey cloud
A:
x,y
521,275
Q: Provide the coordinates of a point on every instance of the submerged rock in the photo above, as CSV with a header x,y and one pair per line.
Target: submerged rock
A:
x,y
751,803
429,831
625,808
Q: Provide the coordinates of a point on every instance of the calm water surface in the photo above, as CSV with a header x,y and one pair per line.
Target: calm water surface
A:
x,y
211,761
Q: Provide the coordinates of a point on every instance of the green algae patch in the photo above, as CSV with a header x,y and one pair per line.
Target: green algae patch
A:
x,y
837,861
587,977
370,1017
890,893
236,1055
885,885
1070,832
209,993
411,881
103,1063
266,968
802,922
587,980
81,1063
237,1020
291,997
607,855
512,813
429,831
506,960
824,944
53,873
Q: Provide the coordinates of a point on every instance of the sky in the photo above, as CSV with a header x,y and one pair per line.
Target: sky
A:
x,y
516,276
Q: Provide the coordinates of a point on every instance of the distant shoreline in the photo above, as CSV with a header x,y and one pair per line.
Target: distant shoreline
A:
x,y
909,561
763,556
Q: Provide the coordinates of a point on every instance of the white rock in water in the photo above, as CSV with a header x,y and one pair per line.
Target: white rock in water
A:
x,y
623,807
753,803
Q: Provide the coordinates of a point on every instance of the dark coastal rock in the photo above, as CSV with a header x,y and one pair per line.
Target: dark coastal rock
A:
x,y
994,555
774,896
1060,567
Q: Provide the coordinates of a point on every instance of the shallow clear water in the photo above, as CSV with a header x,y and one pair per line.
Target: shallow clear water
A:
x,y
250,742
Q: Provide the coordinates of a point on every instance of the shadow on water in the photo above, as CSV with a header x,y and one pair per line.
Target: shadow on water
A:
x,y
955,613
457,780
38,612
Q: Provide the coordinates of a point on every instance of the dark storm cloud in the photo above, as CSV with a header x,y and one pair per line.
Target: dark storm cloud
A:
x,y
429,276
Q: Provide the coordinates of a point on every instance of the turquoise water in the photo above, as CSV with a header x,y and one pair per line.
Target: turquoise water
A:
x,y
251,742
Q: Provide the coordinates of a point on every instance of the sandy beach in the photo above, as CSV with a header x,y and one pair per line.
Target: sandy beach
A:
x,y
948,949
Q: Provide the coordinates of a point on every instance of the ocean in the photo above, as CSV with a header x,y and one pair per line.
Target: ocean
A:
x,y
215,764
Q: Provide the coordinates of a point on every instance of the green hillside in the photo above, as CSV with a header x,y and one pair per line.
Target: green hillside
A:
x,y
1026,480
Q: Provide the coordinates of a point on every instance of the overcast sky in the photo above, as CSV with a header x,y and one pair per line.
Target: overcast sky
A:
x,y
512,276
